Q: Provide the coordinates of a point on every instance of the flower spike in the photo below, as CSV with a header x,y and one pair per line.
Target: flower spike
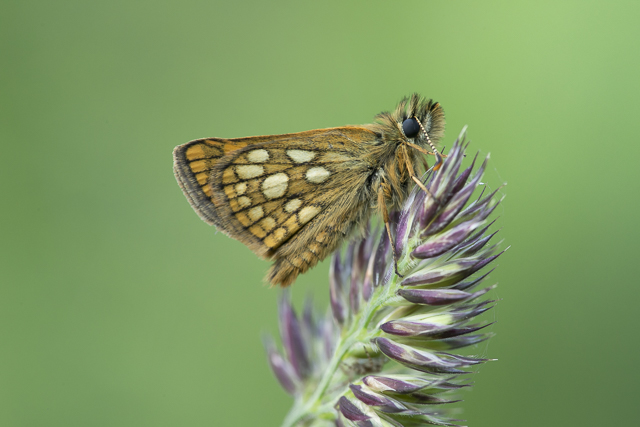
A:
x,y
381,354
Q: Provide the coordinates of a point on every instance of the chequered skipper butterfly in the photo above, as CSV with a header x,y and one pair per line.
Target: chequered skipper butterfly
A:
x,y
294,198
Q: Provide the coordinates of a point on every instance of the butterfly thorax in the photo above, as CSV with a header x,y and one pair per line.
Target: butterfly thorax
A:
x,y
392,152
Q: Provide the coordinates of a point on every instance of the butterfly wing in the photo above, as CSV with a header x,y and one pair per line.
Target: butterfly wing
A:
x,y
192,166
289,197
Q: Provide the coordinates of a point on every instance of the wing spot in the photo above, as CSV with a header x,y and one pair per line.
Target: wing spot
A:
x,y
307,256
301,156
228,176
195,152
249,171
202,178
297,262
243,218
280,233
270,241
244,202
292,205
241,188
258,156
273,239
307,213
333,157
258,231
198,166
275,185
291,223
256,213
268,223
317,175
231,145
230,192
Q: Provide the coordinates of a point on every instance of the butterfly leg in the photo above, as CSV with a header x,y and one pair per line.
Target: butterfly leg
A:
x,y
413,176
437,155
385,217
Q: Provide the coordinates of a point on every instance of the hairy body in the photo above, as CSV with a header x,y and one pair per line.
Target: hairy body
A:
x,y
294,198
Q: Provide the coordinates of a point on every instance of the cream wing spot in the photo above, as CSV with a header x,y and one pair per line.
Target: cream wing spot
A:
x,y
249,171
256,213
244,202
241,188
301,156
292,205
307,213
317,175
275,186
258,156
268,223
280,233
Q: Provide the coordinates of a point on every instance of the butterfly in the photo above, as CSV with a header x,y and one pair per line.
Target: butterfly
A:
x,y
294,198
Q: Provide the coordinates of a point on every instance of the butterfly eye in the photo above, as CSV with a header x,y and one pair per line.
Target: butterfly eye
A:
x,y
410,127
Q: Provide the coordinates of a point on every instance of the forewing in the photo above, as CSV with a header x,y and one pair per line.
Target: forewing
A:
x,y
264,194
193,163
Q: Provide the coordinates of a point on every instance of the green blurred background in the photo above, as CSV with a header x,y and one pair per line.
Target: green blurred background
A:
x,y
119,307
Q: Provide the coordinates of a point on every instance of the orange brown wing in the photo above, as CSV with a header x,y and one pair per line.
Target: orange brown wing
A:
x,y
264,190
192,165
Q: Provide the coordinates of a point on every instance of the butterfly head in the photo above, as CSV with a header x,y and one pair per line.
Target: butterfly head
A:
x,y
416,120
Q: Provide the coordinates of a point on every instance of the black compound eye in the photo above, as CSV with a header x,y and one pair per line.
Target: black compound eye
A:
x,y
410,127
